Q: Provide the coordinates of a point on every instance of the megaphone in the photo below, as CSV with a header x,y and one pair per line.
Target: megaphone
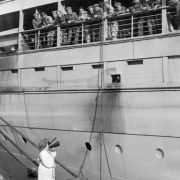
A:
x,y
54,143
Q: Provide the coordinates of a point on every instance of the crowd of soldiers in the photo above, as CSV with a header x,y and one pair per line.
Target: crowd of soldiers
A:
x,y
99,11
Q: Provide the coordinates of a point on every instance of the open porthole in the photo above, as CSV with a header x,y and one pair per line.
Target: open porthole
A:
x,y
88,146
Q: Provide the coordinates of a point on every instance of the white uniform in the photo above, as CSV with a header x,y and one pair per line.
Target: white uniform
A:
x,y
46,169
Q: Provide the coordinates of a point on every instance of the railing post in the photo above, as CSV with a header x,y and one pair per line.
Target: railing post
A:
x,y
132,25
104,29
164,18
58,36
38,41
21,20
82,29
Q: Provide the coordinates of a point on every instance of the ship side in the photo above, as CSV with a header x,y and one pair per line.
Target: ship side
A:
x,y
113,104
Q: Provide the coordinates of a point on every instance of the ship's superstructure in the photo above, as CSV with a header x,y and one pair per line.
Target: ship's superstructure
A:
x,y
112,103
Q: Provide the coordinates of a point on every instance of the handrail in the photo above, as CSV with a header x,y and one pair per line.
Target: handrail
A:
x,y
13,156
138,12
6,137
98,20
60,164
63,25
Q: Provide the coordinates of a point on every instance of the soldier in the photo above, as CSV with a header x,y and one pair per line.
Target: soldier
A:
x,y
37,23
123,29
113,25
71,17
47,22
157,16
98,14
175,3
83,16
92,27
150,22
61,21
138,6
91,13
115,4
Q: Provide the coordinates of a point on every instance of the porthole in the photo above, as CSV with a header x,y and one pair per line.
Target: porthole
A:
x,y
159,154
118,149
88,146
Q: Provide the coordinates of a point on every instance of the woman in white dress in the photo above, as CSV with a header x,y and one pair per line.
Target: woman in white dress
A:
x,y
46,169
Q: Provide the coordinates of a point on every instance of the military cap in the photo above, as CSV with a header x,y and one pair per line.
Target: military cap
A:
x,y
96,5
68,8
90,7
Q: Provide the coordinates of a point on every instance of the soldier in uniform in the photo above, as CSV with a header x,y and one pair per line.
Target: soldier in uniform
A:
x,y
61,21
47,22
113,25
37,23
175,3
123,29
150,21
157,16
83,16
90,12
71,17
92,27
98,14
138,6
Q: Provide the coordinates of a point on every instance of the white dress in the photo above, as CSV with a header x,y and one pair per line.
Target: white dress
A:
x,y
46,169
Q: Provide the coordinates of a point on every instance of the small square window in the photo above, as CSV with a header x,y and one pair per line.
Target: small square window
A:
x,y
116,78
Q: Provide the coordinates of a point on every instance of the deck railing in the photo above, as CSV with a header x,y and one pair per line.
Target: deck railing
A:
x,y
115,27
66,34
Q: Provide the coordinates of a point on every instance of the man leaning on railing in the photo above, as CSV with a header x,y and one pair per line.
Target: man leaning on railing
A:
x,y
37,23
92,31
83,16
71,17
98,14
59,19
113,25
124,23
47,22
140,19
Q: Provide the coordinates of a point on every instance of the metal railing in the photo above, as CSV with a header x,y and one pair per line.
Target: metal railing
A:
x,y
135,24
67,34
128,25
